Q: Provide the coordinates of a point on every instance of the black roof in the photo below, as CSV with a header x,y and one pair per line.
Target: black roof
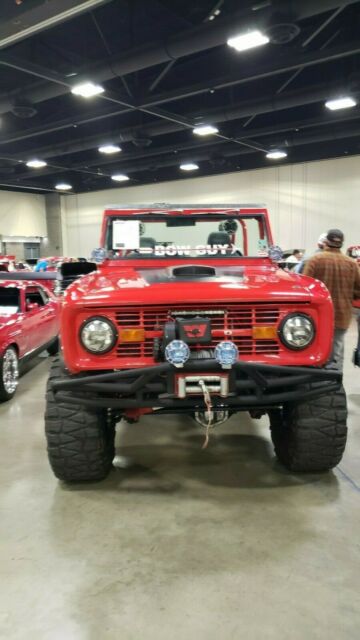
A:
x,y
165,67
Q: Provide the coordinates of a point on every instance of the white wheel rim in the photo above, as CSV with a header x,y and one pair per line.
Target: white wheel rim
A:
x,y
10,371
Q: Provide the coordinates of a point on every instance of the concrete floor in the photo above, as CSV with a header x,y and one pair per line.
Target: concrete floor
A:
x,y
185,543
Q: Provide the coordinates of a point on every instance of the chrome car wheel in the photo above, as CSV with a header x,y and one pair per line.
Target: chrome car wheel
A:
x,y
10,370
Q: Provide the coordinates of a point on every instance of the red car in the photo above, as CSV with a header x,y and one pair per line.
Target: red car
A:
x,y
29,323
354,252
7,263
190,314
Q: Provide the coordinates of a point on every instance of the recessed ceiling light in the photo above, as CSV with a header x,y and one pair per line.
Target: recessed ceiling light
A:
x,y
36,164
276,154
87,89
189,166
344,102
120,177
249,40
63,186
109,148
205,130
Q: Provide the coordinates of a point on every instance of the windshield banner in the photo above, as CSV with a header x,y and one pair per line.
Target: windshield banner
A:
x,y
188,250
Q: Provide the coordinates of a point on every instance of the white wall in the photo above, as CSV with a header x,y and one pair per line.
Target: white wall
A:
x,y
22,214
304,200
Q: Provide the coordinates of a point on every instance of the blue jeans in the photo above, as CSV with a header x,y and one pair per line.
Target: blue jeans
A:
x,y
337,356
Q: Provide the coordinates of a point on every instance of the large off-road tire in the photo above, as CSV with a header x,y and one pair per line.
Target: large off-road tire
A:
x,y
80,442
311,435
53,348
9,373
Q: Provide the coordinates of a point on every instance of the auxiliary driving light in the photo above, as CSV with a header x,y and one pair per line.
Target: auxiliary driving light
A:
x,y
177,353
226,353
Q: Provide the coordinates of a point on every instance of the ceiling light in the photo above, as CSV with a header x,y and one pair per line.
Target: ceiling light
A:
x,y
276,154
205,130
87,89
189,166
344,102
120,177
36,164
109,148
248,40
63,186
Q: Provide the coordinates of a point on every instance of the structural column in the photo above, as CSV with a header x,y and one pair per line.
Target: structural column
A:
x,y
53,245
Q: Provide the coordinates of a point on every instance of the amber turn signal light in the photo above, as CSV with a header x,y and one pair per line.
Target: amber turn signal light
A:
x,y
132,335
264,333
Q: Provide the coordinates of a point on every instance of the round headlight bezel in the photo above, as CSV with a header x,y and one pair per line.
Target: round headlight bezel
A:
x,y
293,347
114,335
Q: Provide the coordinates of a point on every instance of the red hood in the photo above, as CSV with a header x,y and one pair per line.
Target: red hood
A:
x,y
229,283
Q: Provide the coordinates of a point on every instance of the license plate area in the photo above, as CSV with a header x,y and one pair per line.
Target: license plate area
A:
x,y
188,385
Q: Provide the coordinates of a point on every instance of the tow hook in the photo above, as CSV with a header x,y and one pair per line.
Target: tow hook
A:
x,y
209,418
216,418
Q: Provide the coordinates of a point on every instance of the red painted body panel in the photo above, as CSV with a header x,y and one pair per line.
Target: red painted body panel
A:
x,y
29,330
121,284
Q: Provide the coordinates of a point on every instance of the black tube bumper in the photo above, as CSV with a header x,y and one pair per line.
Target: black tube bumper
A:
x,y
251,386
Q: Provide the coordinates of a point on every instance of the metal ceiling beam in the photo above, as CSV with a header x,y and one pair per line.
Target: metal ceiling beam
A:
x,y
267,104
268,69
214,145
203,37
293,135
107,162
24,23
174,161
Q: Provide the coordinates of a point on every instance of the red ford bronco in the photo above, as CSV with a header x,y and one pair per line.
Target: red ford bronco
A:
x,y
189,313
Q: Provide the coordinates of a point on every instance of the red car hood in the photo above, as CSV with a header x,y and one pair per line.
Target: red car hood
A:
x,y
156,286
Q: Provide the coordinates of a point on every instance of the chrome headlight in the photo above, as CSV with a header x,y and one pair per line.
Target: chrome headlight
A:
x,y
297,331
98,335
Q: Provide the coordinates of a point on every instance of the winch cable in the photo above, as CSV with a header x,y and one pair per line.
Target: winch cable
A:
x,y
208,404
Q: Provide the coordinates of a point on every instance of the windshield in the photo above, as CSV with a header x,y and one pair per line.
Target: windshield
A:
x,y
210,236
9,300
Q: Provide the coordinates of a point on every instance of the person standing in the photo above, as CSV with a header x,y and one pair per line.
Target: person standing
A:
x,y
299,268
341,275
293,259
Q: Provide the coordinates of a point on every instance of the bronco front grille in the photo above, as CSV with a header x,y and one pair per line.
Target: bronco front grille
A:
x,y
232,317
234,321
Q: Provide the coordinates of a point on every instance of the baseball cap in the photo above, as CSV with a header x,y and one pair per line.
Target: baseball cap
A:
x,y
322,238
335,238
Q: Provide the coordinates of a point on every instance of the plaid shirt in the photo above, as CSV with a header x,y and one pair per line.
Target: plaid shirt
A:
x,y
341,275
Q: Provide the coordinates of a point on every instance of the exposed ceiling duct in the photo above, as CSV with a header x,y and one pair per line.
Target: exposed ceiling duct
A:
x,y
270,68
217,158
194,40
216,86
265,105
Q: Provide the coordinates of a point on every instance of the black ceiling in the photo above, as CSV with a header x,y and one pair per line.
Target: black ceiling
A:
x,y
165,66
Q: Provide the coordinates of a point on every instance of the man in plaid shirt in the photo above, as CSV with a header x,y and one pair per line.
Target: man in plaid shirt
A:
x,y
341,275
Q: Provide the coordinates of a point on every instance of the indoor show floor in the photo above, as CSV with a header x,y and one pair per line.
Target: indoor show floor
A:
x,y
184,543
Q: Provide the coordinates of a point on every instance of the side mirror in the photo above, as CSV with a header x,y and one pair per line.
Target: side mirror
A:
x,y
32,306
